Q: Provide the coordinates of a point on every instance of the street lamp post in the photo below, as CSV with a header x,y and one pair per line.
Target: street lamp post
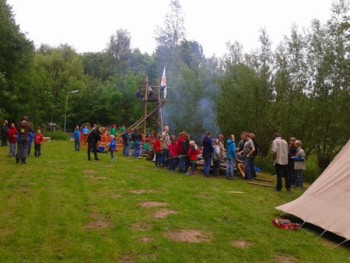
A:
x,y
65,111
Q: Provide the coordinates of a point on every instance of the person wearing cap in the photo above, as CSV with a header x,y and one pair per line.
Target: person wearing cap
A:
x,y
280,159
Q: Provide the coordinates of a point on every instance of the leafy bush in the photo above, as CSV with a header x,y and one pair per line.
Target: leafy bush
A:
x,y
312,171
59,135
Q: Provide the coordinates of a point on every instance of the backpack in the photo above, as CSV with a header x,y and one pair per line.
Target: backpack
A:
x,y
23,137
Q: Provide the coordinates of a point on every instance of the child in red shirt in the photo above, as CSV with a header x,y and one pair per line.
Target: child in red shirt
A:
x,y
173,150
192,155
158,151
38,140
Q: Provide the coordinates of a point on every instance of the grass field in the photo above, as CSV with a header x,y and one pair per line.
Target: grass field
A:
x,y
62,208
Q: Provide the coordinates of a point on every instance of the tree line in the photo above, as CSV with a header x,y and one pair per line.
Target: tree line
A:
x,y
300,87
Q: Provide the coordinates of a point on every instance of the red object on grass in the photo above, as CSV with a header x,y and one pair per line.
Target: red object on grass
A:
x,y
285,224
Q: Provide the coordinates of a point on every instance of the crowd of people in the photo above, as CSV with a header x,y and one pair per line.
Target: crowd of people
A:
x,y
179,154
20,139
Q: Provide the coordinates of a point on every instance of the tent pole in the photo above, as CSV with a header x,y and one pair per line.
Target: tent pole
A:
x,y
322,233
340,244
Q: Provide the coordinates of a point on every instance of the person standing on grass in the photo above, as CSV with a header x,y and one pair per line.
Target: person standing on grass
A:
x,y
207,153
22,141
12,134
221,144
230,157
31,139
299,165
4,129
76,137
38,140
112,146
158,151
136,138
126,136
85,133
186,147
216,157
248,150
193,156
180,150
173,151
280,159
292,150
94,137
165,139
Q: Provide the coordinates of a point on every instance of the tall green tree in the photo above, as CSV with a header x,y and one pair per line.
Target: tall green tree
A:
x,y
16,53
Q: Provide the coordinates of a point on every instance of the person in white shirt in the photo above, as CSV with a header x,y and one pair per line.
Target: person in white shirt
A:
x,y
280,159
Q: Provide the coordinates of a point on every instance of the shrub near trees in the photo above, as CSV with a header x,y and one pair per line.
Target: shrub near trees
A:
x,y
300,88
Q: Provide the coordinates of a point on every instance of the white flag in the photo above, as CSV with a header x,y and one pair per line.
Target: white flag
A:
x,y
163,85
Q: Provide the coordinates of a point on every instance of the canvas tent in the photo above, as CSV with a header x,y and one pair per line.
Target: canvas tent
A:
x,y
327,201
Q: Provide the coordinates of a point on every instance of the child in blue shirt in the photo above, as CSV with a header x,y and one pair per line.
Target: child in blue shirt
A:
x,y
112,146
76,137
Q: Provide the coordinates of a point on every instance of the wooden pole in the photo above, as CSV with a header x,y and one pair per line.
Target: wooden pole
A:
x,y
145,106
160,109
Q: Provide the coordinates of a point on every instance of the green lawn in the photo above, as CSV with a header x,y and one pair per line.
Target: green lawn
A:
x,y
62,208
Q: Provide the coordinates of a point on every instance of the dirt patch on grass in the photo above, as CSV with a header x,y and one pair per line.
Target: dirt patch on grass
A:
x,y
117,196
89,172
126,259
146,239
23,190
141,226
201,196
153,204
5,232
240,244
285,259
188,236
97,178
164,213
138,192
98,224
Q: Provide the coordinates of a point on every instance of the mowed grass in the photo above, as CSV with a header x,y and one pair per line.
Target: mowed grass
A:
x,y
63,208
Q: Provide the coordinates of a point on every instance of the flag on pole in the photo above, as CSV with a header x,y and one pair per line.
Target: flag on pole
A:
x,y
163,86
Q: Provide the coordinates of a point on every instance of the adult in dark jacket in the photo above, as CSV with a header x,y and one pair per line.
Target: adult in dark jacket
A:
x,y
22,141
94,136
136,137
207,153
4,129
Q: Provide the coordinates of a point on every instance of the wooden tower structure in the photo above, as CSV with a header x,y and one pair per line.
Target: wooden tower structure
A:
x,y
152,101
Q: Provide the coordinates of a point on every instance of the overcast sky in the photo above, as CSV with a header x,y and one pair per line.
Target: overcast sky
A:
x,y
86,25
